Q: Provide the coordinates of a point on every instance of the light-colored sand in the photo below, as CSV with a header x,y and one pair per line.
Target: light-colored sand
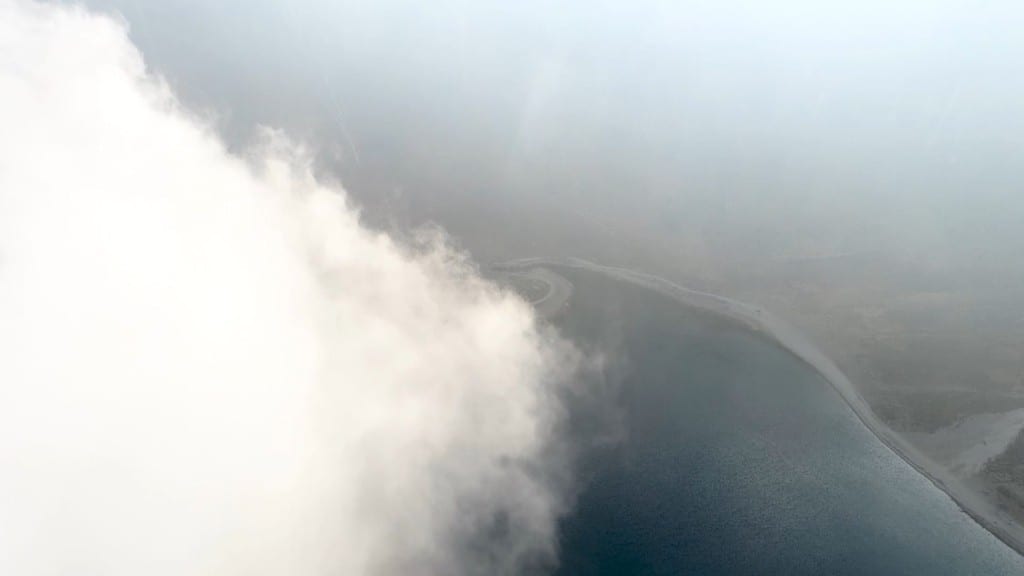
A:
x,y
965,447
982,511
558,294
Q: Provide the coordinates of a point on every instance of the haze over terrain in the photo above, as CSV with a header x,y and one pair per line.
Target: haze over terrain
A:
x,y
854,168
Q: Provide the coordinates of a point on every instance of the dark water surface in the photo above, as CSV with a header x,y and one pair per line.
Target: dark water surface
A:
x,y
736,458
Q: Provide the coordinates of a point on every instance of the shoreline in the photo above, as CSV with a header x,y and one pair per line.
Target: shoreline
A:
x,y
793,342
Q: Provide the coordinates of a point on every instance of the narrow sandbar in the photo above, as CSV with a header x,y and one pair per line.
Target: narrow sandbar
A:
x,y
790,339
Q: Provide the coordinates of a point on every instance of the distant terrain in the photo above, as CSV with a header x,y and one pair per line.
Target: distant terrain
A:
x,y
938,353
714,398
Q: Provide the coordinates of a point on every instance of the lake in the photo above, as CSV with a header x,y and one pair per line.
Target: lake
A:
x,y
731,456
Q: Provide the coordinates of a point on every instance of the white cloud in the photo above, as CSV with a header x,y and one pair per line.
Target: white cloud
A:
x,y
208,366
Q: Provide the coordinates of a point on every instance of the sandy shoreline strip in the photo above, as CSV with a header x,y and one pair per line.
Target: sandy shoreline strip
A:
x,y
796,344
